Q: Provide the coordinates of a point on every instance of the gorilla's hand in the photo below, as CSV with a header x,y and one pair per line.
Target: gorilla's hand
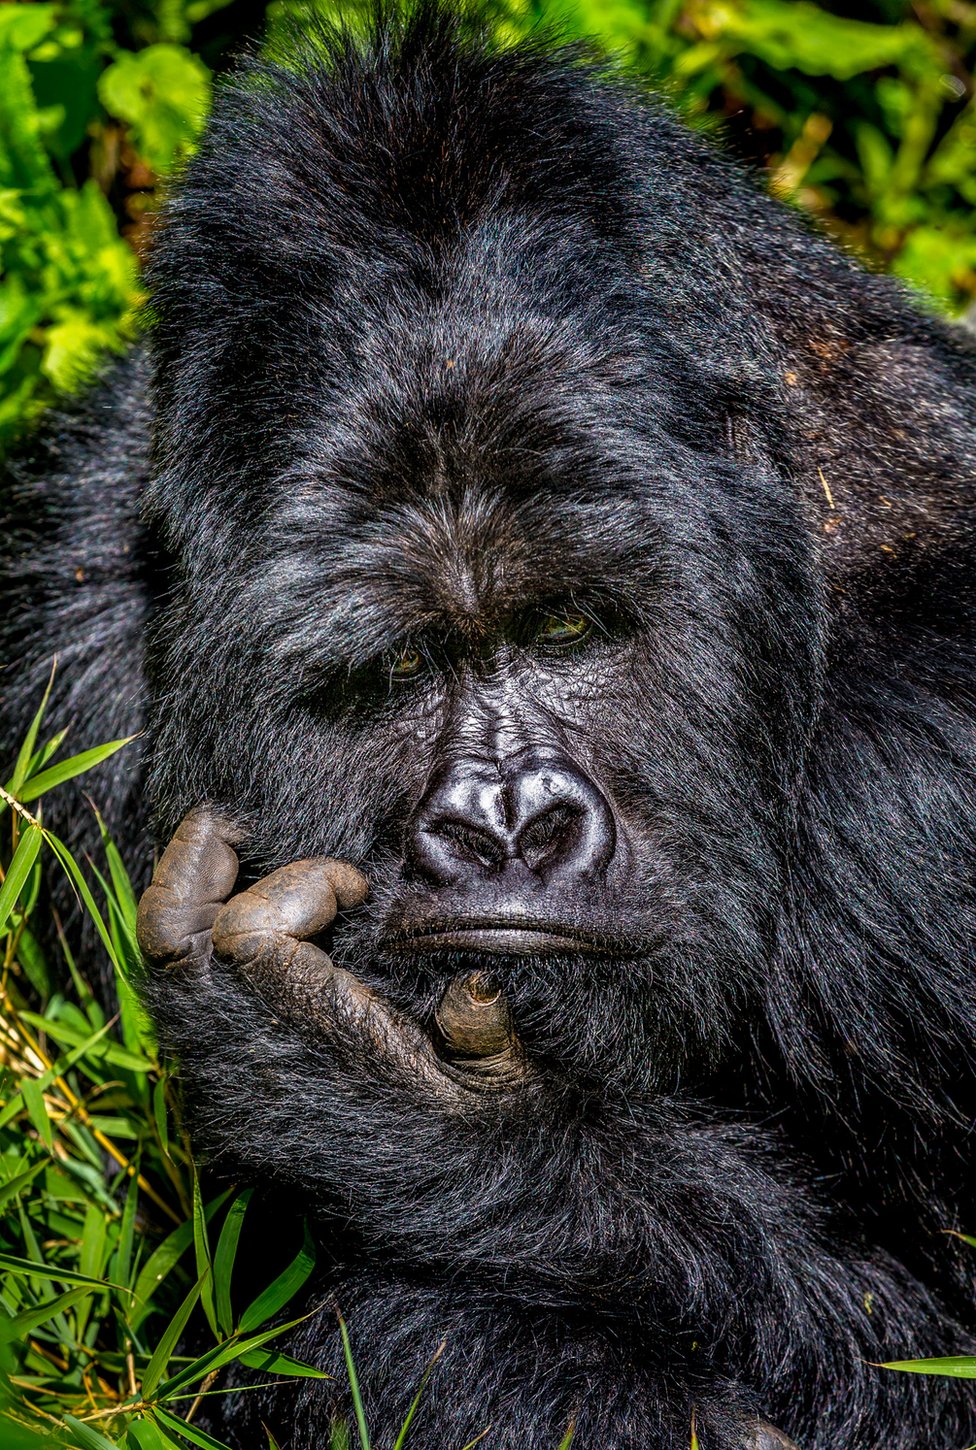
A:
x,y
185,916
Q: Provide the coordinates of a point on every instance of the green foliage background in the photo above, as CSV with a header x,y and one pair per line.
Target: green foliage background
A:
x,y
862,113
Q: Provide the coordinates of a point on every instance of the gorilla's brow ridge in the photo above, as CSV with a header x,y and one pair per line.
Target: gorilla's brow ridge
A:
x,y
456,573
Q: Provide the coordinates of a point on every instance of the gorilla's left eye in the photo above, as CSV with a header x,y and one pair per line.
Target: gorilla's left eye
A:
x,y
406,664
561,629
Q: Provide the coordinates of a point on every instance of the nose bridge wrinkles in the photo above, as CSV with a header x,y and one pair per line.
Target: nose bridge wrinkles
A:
x,y
490,725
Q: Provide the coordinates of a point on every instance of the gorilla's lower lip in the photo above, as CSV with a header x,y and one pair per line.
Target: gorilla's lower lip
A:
x,y
508,939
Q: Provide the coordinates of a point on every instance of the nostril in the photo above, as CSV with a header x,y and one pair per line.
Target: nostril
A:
x,y
468,843
550,834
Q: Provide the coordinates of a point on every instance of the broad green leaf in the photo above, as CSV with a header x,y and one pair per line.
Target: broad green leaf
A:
x,y
193,1433
75,765
19,870
956,1366
163,92
281,1290
166,1347
273,1362
224,1258
30,739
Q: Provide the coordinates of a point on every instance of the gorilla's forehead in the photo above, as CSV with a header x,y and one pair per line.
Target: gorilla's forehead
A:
x,y
345,578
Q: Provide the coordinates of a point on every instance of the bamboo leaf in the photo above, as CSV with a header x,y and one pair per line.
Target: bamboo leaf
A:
x,y
276,1363
193,1433
30,739
20,1325
29,1270
281,1290
166,1347
405,1427
357,1399
66,770
19,870
955,1366
85,1437
224,1258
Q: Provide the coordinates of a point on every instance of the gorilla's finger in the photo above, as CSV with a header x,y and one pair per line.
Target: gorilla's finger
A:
x,y
194,876
478,1037
295,901
474,1018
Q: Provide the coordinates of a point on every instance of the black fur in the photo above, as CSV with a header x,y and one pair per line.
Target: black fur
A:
x,y
444,336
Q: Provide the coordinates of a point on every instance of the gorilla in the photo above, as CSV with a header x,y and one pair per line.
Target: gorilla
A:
x,y
542,570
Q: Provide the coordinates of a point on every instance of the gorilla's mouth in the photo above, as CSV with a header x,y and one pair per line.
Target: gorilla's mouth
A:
x,y
502,936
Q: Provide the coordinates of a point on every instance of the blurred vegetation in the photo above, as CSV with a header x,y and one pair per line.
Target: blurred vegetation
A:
x,y
863,114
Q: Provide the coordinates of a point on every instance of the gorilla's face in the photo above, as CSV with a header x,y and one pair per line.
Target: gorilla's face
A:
x,y
533,644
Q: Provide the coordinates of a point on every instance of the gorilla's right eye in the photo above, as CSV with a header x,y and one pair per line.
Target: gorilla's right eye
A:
x,y
406,664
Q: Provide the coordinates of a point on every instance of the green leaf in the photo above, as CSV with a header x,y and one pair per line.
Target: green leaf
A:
x,y
30,739
15,1185
29,1270
68,769
37,1111
201,1249
164,1259
405,1427
357,1399
145,1434
23,1324
166,1347
956,1366
227,1352
85,1437
193,1433
19,870
163,93
281,1290
224,1259
276,1363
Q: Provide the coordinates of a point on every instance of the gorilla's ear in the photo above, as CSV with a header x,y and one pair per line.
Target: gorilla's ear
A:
x,y
75,586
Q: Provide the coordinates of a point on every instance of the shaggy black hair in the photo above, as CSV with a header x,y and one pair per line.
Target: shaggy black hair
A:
x,y
447,339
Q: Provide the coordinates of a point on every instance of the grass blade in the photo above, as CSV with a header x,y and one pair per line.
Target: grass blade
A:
x,y
224,1258
68,769
956,1366
30,739
166,1347
281,1290
19,870
357,1399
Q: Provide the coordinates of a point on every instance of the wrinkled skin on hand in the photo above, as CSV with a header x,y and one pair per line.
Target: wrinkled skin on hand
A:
x,y
189,912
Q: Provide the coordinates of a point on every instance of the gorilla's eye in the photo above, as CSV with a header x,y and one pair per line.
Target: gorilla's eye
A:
x,y
562,629
407,663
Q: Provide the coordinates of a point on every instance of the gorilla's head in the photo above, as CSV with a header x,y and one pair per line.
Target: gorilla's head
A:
x,y
483,576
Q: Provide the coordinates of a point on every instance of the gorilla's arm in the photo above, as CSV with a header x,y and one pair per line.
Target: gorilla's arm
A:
x,y
632,1208
74,582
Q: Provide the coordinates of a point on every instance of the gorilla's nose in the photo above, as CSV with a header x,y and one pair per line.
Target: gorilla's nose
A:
x,y
484,817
